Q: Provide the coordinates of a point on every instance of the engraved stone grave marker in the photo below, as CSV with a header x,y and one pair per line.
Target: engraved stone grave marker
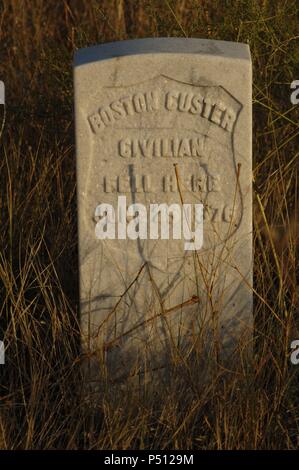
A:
x,y
163,121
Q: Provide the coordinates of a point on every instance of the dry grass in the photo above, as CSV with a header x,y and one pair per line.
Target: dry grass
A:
x,y
41,396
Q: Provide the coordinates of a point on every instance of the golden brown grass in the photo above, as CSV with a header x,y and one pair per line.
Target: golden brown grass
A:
x,y
42,402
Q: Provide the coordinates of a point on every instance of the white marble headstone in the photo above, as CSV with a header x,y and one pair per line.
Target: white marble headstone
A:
x,y
163,121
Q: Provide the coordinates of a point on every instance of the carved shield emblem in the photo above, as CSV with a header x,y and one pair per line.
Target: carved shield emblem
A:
x,y
161,141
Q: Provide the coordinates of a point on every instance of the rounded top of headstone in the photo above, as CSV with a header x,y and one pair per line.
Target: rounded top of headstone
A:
x,y
229,49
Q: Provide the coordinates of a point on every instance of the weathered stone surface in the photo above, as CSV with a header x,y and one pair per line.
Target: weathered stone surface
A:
x,y
164,121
